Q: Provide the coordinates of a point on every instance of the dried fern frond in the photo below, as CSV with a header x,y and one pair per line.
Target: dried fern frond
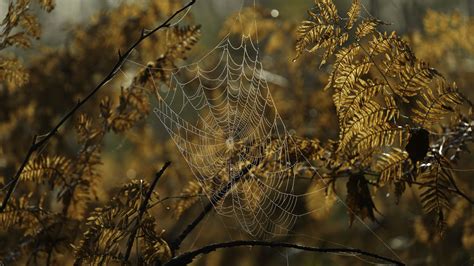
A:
x,y
12,73
182,40
134,104
343,56
86,131
19,19
366,27
364,91
346,81
133,107
348,74
321,31
22,214
48,169
353,14
414,78
109,227
391,165
436,181
378,136
392,55
361,127
20,39
436,105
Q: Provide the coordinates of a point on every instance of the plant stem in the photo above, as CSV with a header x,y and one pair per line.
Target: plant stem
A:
x,y
142,209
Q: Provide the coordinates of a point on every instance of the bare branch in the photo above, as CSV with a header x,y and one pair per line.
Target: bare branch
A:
x,y
188,257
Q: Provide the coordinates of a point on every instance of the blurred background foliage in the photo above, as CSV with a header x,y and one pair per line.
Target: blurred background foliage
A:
x,y
60,61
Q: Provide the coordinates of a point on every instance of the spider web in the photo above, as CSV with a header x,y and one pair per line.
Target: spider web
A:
x,y
222,118
220,114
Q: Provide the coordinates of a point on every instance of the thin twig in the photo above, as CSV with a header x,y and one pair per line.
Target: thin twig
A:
x,y
142,209
218,196
121,59
186,196
188,257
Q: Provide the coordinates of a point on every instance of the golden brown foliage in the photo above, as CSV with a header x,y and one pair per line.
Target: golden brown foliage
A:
x,y
74,177
382,91
399,124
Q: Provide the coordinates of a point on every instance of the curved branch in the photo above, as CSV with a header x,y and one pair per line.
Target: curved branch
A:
x,y
36,145
188,257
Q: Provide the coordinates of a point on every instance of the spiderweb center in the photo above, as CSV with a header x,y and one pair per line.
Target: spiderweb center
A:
x,y
229,142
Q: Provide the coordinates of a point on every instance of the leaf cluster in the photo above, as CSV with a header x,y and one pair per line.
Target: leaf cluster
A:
x,y
383,95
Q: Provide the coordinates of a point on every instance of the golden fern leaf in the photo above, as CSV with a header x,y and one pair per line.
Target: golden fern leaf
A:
x,y
370,115
432,108
346,79
322,31
24,25
366,27
353,14
30,25
110,226
345,55
390,165
20,39
134,103
381,43
100,245
53,169
309,34
415,78
349,73
397,57
11,18
435,189
182,40
327,10
22,214
363,91
12,73
360,117
378,136
133,106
